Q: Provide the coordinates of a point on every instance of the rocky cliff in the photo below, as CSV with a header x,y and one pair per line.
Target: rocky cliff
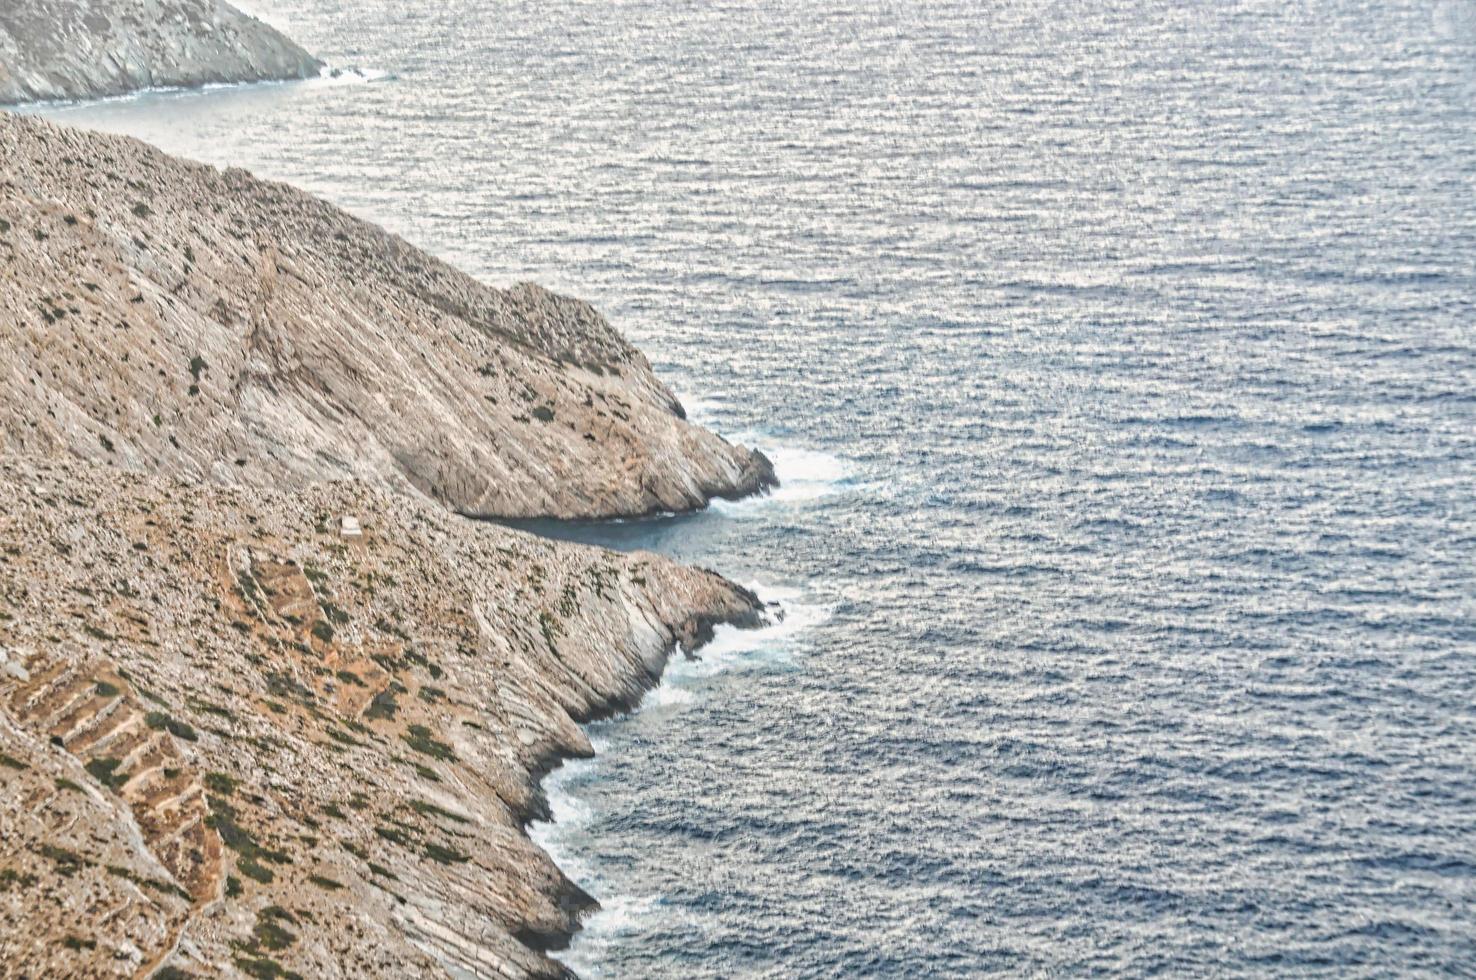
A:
x,y
268,705
232,739
168,316
87,49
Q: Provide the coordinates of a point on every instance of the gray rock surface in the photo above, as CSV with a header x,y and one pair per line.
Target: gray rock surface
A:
x,y
233,742
170,317
87,49
236,740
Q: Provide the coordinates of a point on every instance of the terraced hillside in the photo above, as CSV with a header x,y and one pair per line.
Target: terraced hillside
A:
x,y
235,740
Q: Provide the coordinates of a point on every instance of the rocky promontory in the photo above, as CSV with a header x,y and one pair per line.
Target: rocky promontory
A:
x,y
171,317
88,49
235,742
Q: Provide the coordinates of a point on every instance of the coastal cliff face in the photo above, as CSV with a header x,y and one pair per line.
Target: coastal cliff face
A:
x,y
231,739
167,316
88,49
234,739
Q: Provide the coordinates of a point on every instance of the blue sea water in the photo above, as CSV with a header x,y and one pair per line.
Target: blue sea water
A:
x,y
1119,359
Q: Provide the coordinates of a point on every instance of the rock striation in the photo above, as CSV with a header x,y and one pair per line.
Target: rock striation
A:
x,y
232,739
88,49
268,705
167,316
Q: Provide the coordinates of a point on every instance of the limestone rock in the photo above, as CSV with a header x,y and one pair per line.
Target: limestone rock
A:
x,y
167,316
87,49
232,738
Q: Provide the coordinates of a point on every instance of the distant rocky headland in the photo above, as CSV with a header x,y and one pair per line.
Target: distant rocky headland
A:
x,y
88,49
268,705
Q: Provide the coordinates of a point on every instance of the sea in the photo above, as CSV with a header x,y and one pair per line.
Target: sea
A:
x,y
1118,359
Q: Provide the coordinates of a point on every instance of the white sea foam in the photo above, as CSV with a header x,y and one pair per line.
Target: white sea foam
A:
x,y
807,474
330,77
704,411
353,75
791,616
618,917
566,836
571,816
804,475
733,649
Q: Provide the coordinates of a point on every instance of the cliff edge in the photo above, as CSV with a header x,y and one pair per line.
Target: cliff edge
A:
x,y
88,49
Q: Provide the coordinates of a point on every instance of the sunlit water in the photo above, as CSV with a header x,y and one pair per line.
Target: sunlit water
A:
x,y
1118,358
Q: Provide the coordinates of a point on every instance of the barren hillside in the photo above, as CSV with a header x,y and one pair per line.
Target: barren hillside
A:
x,y
167,316
232,738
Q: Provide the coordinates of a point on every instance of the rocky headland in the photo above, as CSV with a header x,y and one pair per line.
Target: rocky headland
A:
x,y
269,705
88,49
172,317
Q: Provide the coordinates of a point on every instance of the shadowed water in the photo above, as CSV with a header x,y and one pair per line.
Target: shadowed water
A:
x,y
1118,359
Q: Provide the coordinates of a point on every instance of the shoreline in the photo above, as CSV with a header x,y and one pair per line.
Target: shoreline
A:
x,y
581,903
573,898
328,76
354,623
571,835
289,755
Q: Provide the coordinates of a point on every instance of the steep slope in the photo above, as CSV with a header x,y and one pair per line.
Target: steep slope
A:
x,y
88,49
164,315
231,739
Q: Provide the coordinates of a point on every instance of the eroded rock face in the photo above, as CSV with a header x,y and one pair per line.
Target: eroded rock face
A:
x,y
87,49
165,315
234,737
231,738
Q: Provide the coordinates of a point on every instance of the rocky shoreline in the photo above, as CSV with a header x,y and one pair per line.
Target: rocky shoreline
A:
x,y
89,49
215,706
269,704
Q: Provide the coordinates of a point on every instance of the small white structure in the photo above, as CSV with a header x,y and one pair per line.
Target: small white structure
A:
x,y
350,528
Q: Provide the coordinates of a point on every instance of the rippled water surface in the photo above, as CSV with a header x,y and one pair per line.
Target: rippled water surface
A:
x,y
1118,357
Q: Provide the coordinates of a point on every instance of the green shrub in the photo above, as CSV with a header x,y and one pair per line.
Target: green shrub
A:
x,y
67,862
254,870
269,933
159,721
219,782
444,855
172,973
105,771
431,810
383,707
420,739
394,835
